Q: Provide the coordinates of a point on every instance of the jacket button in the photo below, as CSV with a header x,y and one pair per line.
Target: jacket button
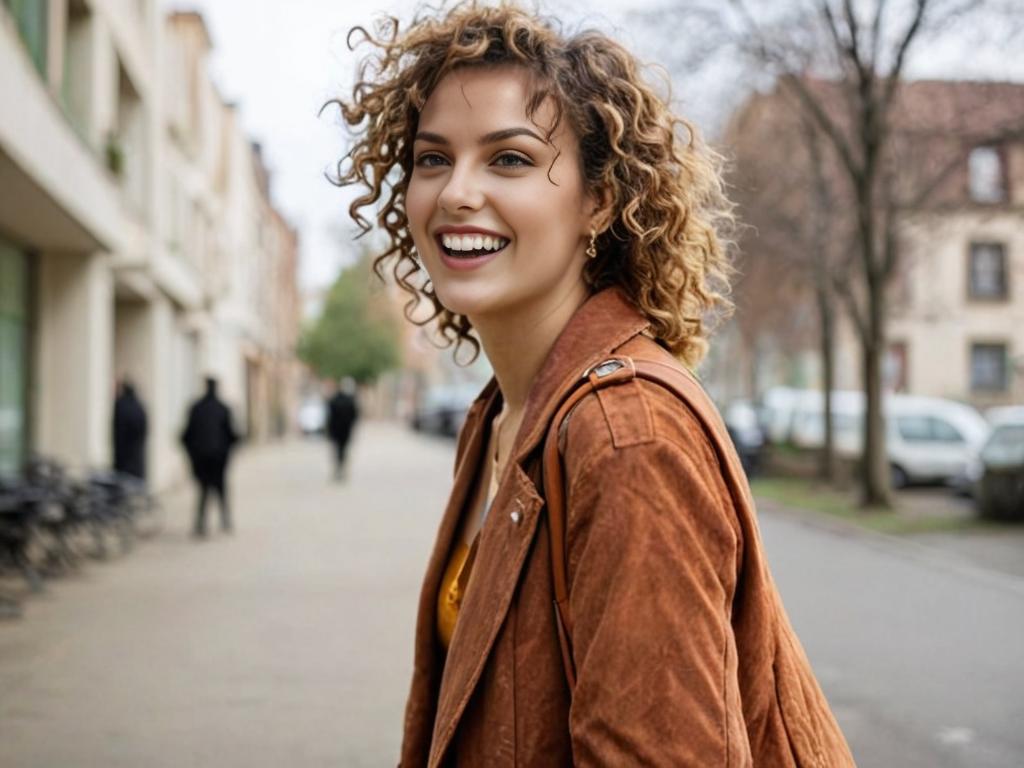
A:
x,y
516,514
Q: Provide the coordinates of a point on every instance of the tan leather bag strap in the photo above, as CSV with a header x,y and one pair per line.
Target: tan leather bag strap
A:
x,y
611,372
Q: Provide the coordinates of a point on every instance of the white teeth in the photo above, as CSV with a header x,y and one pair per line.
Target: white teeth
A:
x,y
473,242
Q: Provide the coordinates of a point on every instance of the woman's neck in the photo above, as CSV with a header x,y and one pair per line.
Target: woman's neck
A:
x,y
517,343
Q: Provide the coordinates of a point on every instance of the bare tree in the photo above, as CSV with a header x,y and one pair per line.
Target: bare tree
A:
x,y
842,63
787,250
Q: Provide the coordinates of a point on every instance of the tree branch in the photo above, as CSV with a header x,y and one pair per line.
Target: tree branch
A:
x,y
797,85
843,47
876,34
854,47
893,78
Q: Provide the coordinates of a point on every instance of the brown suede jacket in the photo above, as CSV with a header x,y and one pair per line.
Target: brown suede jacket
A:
x,y
683,652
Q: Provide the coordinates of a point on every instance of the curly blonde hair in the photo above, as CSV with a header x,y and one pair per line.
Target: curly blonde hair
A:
x,y
665,247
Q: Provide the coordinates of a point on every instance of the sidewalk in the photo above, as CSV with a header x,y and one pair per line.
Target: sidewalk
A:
x,y
289,643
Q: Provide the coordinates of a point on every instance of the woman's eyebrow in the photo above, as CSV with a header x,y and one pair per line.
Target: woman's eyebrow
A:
x,y
487,138
508,133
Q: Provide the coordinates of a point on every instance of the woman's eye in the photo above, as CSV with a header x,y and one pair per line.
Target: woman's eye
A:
x,y
512,160
430,160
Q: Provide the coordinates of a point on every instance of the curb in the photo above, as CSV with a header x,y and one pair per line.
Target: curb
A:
x,y
933,557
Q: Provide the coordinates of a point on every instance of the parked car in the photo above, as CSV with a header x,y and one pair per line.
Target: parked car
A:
x,y
999,490
928,439
1003,414
741,421
932,439
996,417
807,422
775,413
442,409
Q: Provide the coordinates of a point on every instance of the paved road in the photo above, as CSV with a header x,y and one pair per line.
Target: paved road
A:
x,y
919,652
289,643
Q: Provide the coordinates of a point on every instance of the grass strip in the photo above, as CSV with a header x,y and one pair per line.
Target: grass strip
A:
x,y
812,496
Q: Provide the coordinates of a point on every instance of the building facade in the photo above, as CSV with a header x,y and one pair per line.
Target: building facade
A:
x,y
121,170
956,302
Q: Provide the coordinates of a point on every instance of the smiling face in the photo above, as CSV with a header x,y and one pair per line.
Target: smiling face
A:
x,y
499,215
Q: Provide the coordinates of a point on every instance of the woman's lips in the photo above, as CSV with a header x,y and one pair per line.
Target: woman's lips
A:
x,y
467,262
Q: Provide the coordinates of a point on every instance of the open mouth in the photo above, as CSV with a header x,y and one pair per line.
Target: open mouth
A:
x,y
471,246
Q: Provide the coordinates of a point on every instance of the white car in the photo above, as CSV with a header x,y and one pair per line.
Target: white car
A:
x,y
776,412
807,428
931,439
928,439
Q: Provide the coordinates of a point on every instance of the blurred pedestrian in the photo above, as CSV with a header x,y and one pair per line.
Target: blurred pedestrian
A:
x,y
208,438
129,432
569,225
342,414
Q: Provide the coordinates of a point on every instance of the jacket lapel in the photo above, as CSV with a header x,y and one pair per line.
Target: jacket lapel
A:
x,y
419,714
504,542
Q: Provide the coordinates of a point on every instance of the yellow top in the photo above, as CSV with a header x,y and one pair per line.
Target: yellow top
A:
x,y
449,598
460,565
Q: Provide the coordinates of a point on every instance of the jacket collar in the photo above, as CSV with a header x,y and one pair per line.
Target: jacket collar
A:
x,y
602,324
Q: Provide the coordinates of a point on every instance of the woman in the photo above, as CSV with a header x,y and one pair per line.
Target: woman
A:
x,y
543,188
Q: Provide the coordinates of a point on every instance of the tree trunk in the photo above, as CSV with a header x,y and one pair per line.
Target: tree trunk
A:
x,y
874,459
875,488
827,468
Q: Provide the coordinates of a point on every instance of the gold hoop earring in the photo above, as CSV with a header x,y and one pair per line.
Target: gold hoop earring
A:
x,y
592,247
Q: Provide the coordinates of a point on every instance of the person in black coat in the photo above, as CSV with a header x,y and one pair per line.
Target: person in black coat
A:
x,y
208,439
129,432
342,414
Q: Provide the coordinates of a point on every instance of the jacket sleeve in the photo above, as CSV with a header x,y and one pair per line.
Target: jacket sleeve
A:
x,y
652,568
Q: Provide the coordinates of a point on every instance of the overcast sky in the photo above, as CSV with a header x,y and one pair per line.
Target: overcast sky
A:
x,y
280,60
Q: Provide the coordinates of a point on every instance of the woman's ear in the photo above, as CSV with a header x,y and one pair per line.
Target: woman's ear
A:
x,y
601,212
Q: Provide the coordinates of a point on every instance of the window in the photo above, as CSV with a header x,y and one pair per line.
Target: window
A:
x,y
1005,446
914,429
75,84
31,18
987,277
927,429
986,183
988,368
944,432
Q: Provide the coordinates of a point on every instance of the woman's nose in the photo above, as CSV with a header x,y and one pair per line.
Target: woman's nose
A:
x,y
462,191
